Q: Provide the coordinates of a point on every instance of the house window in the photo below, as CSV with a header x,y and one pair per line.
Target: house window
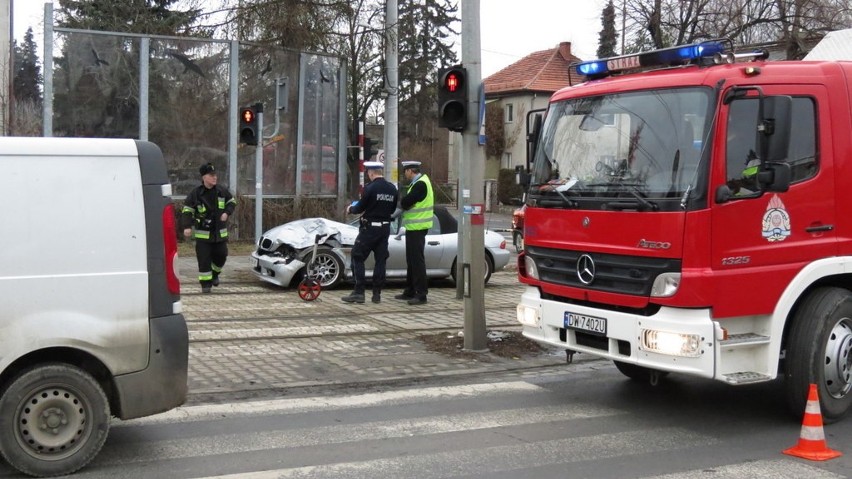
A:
x,y
510,112
507,161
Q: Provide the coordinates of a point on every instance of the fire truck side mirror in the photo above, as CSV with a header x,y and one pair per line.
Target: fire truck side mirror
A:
x,y
522,177
775,128
775,177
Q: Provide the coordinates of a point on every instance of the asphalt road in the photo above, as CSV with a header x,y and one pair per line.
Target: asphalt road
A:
x,y
585,421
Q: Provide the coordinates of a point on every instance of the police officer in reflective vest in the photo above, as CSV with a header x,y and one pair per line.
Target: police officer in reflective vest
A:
x,y
205,217
417,205
377,204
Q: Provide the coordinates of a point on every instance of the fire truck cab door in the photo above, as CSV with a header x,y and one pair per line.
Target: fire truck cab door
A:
x,y
761,240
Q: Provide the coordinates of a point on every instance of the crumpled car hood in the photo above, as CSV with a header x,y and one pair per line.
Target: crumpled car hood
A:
x,y
300,234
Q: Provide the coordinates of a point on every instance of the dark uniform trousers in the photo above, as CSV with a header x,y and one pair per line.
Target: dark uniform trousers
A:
x,y
211,257
416,282
372,238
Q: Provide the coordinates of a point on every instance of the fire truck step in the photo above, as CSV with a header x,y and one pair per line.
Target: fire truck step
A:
x,y
744,339
746,377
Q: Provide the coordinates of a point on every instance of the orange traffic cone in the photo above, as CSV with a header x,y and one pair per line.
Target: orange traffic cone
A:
x,y
812,444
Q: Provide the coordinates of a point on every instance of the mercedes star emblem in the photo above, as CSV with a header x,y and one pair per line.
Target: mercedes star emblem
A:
x,y
586,269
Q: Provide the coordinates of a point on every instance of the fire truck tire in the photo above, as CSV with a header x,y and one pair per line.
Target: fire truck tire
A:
x,y
637,373
819,351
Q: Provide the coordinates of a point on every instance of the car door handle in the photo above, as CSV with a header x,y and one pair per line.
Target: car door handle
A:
x,y
434,243
817,229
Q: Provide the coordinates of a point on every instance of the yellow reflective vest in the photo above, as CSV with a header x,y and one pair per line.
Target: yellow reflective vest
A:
x,y
419,216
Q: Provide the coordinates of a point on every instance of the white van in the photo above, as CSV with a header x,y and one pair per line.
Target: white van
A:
x,y
90,311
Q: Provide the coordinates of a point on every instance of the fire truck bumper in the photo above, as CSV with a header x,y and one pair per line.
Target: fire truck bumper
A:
x,y
676,340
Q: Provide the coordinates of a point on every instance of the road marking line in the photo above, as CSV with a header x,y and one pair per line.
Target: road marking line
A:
x,y
319,403
322,436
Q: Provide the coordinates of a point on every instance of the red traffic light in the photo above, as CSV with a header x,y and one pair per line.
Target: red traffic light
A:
x,y
452,82
248,115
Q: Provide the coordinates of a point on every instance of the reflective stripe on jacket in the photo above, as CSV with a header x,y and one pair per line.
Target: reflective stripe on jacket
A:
x,y
419,216
202,212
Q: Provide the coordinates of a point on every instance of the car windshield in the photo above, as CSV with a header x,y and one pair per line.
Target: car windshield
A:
x,y
639,150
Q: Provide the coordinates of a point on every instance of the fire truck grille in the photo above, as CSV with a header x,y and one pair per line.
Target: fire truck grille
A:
x,y
610,272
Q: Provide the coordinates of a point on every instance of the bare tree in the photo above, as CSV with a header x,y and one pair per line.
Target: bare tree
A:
x,y
663,23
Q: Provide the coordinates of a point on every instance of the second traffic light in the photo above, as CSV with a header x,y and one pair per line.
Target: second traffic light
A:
x,y
370,148
249,125
452,98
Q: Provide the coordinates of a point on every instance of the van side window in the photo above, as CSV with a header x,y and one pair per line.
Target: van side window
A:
x,y
741,146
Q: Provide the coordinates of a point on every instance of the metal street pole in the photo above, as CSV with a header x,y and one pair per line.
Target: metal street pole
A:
x,y
258,175
474,161
392,88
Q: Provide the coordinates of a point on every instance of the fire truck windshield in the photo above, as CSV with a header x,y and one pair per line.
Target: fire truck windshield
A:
x,y
640,148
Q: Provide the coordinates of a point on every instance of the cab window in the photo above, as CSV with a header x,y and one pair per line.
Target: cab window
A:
x,y
741,145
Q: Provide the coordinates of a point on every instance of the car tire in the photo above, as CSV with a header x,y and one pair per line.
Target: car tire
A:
x,y
818,347
54,419
329,267
489,268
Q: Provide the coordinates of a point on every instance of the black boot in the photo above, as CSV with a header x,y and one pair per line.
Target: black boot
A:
x,y
377,297
355,297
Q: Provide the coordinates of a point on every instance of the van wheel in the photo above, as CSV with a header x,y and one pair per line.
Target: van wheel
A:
x,y
54,419
328,268
489,267
819,351
639,373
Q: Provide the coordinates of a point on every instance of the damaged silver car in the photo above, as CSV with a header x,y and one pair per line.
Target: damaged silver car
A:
x,y
284,251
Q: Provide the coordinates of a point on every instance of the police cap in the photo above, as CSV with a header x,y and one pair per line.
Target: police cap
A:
x,y
207,168
410,164
376,165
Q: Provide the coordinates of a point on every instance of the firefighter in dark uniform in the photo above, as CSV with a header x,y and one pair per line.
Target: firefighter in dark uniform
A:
x,y
205,217
377,204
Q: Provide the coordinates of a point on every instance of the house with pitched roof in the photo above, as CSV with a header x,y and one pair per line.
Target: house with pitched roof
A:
x,y
524,86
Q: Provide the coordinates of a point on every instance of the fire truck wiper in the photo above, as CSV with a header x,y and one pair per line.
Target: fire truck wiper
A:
x,y
564,200
634,191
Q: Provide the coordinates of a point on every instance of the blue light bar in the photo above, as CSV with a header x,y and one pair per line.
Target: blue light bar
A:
x,y
657,58
592,68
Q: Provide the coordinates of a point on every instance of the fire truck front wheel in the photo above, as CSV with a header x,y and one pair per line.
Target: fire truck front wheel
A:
x,y
819,351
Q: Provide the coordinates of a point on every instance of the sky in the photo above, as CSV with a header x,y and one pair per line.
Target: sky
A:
x,y
509,29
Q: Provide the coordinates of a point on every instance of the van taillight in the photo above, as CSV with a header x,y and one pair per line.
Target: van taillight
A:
x,y
170,246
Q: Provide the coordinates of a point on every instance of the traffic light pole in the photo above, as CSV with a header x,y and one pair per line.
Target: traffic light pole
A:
x,y
474,162
258,174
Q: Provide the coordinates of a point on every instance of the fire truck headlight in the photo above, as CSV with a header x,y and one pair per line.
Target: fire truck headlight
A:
x,y
529,316
665,285
672,344
532,269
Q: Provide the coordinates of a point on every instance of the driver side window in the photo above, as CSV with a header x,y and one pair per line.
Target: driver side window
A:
x,y
741,145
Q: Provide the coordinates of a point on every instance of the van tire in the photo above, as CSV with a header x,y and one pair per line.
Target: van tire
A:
x,y
54,419
819,344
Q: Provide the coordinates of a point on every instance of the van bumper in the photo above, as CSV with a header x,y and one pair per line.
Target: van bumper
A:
x,y
163,384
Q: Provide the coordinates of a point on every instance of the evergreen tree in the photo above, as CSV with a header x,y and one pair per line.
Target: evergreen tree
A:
x,y
28,79
426,32
608,38
152,17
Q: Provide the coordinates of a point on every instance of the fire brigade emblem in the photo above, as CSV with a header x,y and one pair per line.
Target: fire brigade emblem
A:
x,y
776,221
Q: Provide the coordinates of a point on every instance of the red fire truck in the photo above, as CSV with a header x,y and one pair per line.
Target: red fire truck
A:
x,y
688,211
